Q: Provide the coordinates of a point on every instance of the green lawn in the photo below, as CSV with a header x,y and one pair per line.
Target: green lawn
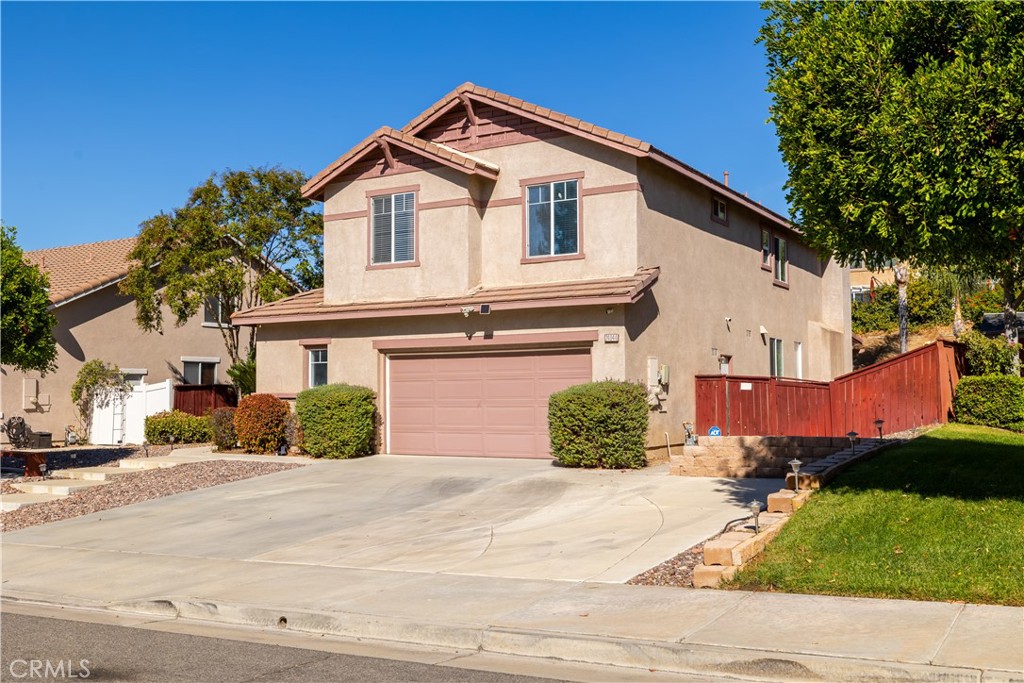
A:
x,y
939,518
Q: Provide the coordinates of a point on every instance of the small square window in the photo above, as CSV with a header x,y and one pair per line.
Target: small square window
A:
x,y
216,313
719,210
199,372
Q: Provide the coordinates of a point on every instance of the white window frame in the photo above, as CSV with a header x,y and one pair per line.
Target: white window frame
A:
x,y
410,196
551,214
776,363
311,363
215,362
798,348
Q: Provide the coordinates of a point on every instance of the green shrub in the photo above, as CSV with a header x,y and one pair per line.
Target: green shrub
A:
x,y
260,422
985,300
925,307
601,424
988,356
222,422
183,427
992,400
337,420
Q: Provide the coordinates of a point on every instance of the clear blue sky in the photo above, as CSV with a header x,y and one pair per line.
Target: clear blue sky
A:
x,y
111,112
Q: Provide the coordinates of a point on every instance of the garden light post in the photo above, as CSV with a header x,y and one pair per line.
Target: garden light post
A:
x,y
755,509
853,438
795,464
878,425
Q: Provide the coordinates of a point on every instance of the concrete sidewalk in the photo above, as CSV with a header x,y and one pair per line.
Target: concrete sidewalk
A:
x,y
730,633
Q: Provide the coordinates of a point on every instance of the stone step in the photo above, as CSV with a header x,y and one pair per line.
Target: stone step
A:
x,y
59,487
152,463
14,501
90,473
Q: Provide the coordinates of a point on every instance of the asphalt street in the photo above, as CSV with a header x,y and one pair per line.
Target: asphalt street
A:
x,y
100,652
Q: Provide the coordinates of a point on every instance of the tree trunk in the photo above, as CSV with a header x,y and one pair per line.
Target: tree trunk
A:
x,y
1010,303
902,273
958,318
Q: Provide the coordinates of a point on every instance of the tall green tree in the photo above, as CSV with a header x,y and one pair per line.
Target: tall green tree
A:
x,y
902,125
26,331
242,239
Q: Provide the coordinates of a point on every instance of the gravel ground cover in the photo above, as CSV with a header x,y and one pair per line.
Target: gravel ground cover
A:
x,y
134,488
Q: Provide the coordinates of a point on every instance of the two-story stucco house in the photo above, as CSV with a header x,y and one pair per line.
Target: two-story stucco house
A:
x,y
492,252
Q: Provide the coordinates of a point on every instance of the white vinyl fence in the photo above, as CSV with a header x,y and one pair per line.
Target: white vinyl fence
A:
x,y
124,422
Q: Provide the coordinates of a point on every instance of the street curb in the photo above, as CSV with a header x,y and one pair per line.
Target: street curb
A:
x,y
672,657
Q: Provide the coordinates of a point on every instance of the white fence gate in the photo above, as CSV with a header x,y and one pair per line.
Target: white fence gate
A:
x,y
125,422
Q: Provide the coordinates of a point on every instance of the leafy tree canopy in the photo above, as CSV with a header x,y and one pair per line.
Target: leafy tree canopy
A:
x,y
902,125
26,336
218,245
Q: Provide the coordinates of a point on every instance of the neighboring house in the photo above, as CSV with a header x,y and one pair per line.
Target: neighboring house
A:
x,y
864,281
492,252
994,324
95,321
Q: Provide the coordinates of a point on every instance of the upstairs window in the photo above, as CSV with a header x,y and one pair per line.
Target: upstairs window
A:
x,y
766,249
781,267
719,211
553,219
393,228
216,313
317,366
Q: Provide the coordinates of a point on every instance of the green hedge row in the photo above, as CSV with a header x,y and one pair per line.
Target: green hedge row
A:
x,y
184,428
600,424
338,420
993,400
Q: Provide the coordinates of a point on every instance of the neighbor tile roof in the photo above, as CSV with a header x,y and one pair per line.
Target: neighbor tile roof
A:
x,y
309,306
80,268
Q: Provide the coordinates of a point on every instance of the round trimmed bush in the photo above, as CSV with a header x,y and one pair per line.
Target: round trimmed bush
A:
x,y
337,420
185,428
600,424
260,422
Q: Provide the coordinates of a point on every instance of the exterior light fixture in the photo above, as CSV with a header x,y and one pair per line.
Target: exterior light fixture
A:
x,y
282,449
466,310
795,464
171,440
145,447
755,509
852,436
878,425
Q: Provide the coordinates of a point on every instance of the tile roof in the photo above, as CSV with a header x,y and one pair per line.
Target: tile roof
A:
x,y
442,153
569,124
81,268
310,306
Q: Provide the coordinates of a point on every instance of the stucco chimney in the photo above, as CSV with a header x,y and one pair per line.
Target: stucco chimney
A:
x,y
727,179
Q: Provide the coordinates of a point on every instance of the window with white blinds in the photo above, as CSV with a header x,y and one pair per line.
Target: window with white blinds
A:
x,y
394,228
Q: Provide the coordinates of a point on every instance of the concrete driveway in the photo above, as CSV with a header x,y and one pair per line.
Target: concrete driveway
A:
x,y
522,519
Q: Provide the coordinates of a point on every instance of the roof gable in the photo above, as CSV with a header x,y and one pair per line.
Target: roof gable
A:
x,y
389,143
82,268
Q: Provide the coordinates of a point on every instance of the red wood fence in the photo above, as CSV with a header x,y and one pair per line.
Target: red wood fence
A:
x,y
199,399
910,390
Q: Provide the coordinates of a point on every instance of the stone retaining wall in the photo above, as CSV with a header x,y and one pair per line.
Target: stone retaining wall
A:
x,y
751,456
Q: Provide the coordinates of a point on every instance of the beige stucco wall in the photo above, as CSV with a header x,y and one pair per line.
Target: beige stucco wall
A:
x,y
710,272
461,247
102,325
861,277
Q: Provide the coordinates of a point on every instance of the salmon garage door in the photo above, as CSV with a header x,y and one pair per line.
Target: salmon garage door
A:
x,y
493,404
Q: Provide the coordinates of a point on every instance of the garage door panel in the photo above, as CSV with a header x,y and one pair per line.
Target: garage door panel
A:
x,y
488,404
